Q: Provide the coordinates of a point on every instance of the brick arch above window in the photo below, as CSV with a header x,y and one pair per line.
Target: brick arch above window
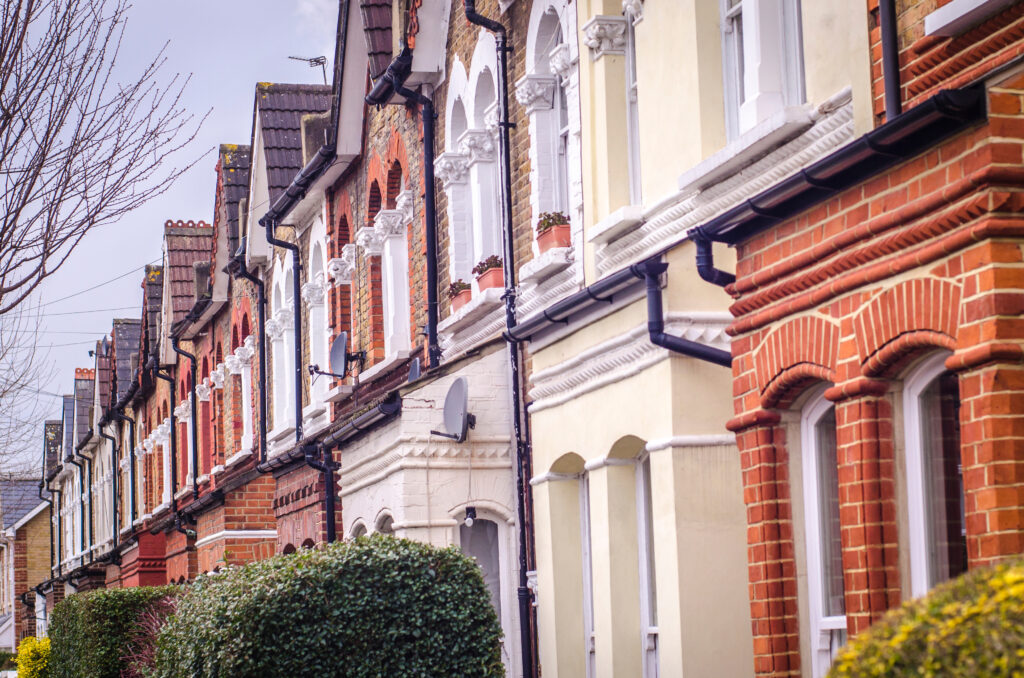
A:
x,y
396,152
801,351
912,316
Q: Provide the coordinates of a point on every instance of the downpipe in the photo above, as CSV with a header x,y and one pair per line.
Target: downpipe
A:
x,y
193,371
527,618
890,58
326,465
705,260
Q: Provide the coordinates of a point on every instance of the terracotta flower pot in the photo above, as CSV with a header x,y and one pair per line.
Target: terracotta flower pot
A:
x,y
556,236
492,277
461,299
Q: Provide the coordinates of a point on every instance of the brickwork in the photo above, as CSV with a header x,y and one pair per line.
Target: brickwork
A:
x,y
925,257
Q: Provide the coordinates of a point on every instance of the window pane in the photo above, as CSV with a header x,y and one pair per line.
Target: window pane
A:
x,y
652,592
828,503
943,479
481,543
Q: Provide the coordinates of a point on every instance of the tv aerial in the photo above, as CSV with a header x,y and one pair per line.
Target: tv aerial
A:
x,y
341,359
313,62
457,419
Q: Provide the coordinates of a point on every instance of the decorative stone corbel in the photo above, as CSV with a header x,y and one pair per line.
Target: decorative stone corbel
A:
x,y
183,412
370,240
233,363
313,293
634,8
203,391
404,204
247,349
389,224
562,62
478,144
451,168
217,376
536,92
605,34
491,120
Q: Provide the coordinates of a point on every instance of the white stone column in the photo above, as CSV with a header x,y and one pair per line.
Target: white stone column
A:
x,y
391,227
478,146
183,412
453,170
313,294
163,432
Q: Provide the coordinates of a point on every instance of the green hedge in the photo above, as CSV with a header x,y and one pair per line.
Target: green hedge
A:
x,y
971,626
91,633
376,606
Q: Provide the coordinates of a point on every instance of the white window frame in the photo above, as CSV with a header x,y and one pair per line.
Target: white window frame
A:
x,y
632,113
823,629
648,572
917,381
772,38
589,641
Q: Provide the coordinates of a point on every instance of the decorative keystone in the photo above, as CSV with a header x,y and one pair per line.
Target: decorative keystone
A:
x,y
536,92
605,34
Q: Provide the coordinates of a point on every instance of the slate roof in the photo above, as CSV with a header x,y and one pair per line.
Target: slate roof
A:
x,y
126,344
377,30
84,380
281,108
185,242
234,162
17,497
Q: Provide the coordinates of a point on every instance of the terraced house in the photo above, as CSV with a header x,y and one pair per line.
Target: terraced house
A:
x,y
695,323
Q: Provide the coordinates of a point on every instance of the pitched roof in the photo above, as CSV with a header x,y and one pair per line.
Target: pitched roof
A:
x,y
126,344
377,29
17,497
234,162
185,243
281,108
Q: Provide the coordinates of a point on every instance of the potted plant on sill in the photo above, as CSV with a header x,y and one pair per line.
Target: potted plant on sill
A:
x,y
553,231
459,292
488,272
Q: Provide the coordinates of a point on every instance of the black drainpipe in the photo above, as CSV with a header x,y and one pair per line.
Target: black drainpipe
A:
x,y
113,484
121,416
174,456
239,268
890,57
326,465
195,419
271,224
706,261
527,618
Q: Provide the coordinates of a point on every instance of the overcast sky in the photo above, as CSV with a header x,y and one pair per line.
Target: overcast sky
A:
x,y
227,46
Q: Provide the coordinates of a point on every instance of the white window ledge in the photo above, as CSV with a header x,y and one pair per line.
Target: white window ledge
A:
x,y
546,265
313,410
476,308
752,145
204,479
217,470
237,457
615,224
384,365
339,392
280,434
959,15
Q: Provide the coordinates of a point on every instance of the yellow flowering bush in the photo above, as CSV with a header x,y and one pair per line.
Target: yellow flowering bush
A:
x,y
970,626
34,658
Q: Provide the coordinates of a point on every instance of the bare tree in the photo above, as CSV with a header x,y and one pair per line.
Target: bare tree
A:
x,y
24,368
78,148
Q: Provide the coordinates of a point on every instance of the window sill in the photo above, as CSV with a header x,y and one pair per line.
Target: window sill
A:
x,y
477,307
766,136
546,265
959,15
615,224
383,366
339,392
280,434
237,457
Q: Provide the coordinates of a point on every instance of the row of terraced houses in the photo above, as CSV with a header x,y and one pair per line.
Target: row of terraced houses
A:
x,y
724,298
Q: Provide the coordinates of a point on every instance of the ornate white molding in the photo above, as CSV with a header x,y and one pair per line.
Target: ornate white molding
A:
x,y
370,240
671,220
605,34
343,269
274,329
218,375
163,431
313,293
536,92
491,120
404,203
634,8
283,320
478,145
147,445
622,357
390,224
183,412
246,350
233,363
451,168
562,62
204,390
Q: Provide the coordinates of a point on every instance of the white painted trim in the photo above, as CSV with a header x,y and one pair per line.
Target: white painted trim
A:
x,y
916,382
28,516
645,548
708,440
237,534
959,15
590,645
552,477
821,627
595,464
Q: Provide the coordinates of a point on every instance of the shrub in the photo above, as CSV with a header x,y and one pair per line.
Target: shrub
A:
x,y
8,661
375,606
971,626
92,632
33,658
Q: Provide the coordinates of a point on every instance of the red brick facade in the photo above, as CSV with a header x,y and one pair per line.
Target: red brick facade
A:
x,y
923,258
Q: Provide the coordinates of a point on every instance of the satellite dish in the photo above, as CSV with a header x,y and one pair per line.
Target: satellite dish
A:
x,y
339,354
414,370
457,419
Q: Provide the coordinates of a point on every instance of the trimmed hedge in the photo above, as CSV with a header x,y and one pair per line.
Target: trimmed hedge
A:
x,y
971,626
91,632
33,657
375,606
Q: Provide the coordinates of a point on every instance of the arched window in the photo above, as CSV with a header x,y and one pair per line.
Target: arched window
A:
x,y
205,421
358,530
314,293
826,603
480,542
385,525
935,493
